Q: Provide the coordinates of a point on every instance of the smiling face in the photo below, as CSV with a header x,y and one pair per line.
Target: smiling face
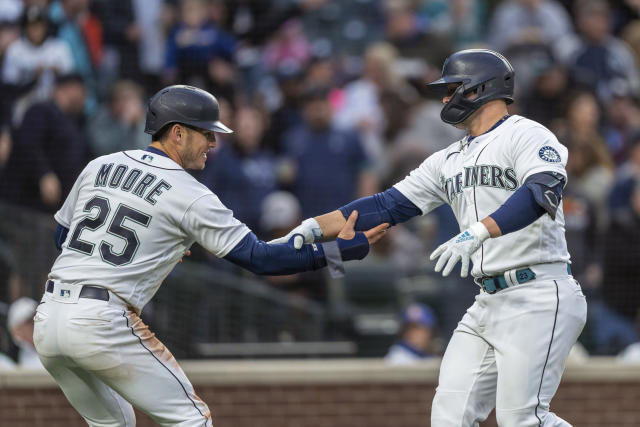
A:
x,y
197,143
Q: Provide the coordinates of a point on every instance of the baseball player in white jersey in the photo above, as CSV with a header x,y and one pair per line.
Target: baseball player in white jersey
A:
x,y
504,182
129,218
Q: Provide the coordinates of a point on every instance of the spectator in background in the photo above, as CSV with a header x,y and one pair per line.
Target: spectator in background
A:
x,y
121,35
462,21
321,71
631,36
72,20
287,115
628,174
10,13
198,52
254,22
33,61
343,29
119,125
620,287
546,99
20,325
242,172
49,149
596,57
279,212
590,166
416,340
288,46
623,119
151,42
361,108
417,47
331,164
526,21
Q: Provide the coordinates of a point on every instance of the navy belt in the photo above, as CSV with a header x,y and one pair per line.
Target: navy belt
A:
x,y
494,284
87,291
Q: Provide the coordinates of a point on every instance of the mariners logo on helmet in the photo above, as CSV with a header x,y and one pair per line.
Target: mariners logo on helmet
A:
x,y
549,154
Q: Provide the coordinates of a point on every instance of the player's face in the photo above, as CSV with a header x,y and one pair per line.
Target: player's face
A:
x,y
451,90
197,145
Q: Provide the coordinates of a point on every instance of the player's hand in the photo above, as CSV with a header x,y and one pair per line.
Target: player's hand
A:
x,y
460,248
307,232
373,235
50,189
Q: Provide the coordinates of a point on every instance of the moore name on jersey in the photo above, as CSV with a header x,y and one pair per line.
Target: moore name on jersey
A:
x,y
114,177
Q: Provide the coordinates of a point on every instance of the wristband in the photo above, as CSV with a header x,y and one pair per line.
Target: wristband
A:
x,y
356,248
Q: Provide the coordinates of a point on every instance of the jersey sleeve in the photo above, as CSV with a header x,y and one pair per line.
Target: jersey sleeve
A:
x,y
536,149
210,223
65,214
422,186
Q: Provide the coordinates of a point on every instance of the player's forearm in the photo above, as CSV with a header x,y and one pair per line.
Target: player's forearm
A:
x,y
390,206
331,223
492,227
279,259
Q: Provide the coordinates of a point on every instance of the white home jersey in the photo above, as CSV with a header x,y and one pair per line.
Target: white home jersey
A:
x,y
476,177
131,217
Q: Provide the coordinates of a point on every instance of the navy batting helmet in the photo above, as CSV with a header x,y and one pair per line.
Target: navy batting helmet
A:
x,y
483,70
184,104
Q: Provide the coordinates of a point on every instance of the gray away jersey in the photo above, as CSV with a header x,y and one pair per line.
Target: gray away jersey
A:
x,y
477,177
131,216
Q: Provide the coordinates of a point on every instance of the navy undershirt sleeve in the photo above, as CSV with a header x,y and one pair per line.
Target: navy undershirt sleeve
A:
x,y
60,236
262,258
518,211
390,206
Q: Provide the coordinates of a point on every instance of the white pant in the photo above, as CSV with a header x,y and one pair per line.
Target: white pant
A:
x,y
509,352
105,359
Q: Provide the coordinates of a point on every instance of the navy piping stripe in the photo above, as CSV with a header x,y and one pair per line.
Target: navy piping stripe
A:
x,y
451,154
153,166
163,365
553,331
475,205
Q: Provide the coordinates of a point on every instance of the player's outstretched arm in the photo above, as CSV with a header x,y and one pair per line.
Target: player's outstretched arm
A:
x,y
283,258
390,206
540,194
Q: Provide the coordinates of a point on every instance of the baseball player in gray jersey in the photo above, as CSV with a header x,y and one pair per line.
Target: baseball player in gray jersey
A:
x,y
504,182
129,218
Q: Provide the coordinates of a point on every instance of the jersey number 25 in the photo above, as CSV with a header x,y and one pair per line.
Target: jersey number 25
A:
x,y
116,228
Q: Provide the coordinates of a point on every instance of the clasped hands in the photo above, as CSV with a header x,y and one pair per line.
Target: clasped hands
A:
x,y
457,249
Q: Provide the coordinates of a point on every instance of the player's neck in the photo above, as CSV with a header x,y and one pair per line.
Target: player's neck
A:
x,y
487,116
166,148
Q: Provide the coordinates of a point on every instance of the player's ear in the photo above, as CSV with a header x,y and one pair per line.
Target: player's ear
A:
x,y
177,132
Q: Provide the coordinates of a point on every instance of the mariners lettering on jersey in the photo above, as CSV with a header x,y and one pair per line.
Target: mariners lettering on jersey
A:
x,y
479,175
117,177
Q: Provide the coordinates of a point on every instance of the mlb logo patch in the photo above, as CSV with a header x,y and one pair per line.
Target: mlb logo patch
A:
x,y
65,293
147,158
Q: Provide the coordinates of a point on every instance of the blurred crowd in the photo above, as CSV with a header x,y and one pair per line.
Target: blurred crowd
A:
x,y
327,99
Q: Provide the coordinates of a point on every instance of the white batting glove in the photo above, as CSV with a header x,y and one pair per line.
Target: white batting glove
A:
x,y
307,232
460,248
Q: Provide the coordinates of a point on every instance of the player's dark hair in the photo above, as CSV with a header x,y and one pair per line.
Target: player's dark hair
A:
x,y
162,132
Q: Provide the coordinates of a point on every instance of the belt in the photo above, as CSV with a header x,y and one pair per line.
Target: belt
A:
x,y
87,291
494,284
